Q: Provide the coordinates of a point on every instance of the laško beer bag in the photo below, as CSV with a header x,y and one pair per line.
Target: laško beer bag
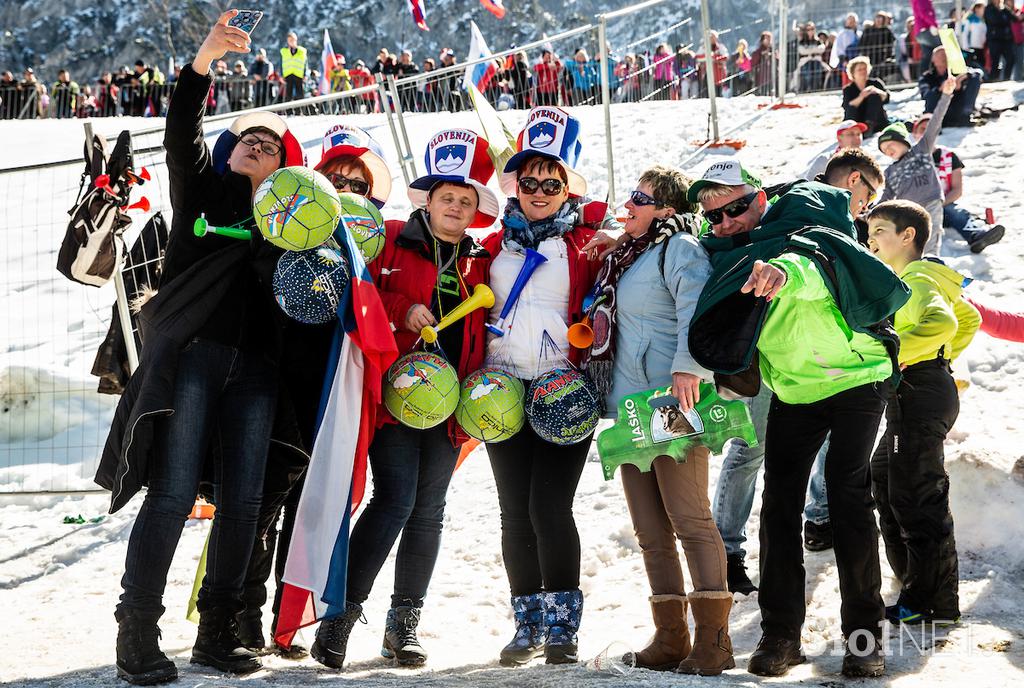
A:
x,y
651,424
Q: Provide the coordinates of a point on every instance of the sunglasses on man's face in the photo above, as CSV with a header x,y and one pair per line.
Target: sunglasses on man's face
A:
x,y
550,187
266,147
734,209
639,198
872,191
341,182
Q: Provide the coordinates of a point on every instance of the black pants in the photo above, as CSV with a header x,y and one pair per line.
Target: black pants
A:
x,y
1000,51
536,483
794,435
293,87
911,489
871,112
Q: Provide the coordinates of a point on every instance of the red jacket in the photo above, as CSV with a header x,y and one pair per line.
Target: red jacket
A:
x,y
582,270
1000,324
405,275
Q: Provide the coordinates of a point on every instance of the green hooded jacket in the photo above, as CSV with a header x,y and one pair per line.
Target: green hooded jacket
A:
x,y
827,330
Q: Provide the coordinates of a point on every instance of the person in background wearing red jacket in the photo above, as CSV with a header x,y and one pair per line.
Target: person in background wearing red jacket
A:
x,y
429,265
536,479
547,75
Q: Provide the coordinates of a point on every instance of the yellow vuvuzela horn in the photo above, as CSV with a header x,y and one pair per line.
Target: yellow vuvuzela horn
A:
x,y
482,297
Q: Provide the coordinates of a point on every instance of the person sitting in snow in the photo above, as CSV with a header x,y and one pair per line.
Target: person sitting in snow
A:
x,y
849,134
965,94
208,378
976,232
908,478
912,175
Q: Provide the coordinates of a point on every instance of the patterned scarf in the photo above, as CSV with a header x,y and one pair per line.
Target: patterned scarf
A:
x,y
521,233
598,361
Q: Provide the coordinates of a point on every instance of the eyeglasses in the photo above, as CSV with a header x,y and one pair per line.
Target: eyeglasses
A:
x,y
641,199
734,209
872,191
356,186
266,147
550,187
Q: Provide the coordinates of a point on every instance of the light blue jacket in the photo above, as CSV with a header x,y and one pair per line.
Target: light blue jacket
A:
x,y
653,317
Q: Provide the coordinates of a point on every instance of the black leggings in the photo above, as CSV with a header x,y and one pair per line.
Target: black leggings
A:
x,y
536,483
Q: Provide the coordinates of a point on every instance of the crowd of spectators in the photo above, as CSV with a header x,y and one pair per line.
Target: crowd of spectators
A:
x,y
992,36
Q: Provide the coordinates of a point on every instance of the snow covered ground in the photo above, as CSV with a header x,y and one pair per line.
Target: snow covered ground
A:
x,y
59,583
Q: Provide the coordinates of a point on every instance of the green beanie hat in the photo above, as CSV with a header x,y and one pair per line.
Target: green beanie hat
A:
x,y
897,131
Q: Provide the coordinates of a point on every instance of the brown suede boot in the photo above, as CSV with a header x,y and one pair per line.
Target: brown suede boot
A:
x,y
671,641
712,647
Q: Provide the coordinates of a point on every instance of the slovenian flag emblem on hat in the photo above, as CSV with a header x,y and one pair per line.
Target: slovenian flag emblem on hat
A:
x,y
552,133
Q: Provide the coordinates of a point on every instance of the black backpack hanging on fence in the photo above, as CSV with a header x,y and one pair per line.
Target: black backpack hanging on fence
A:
x,y
93,246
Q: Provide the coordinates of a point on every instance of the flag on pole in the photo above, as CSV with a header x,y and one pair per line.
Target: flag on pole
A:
x,y
419,13
479,74
495,7
313,587
501,143
328,61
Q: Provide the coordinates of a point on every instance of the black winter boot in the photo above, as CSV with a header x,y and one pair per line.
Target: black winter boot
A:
x,y
736,572
139,659
250,631
332,637
217,644
400,640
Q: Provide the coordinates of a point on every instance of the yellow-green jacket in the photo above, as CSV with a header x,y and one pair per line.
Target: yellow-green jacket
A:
x,y
293,65
936,317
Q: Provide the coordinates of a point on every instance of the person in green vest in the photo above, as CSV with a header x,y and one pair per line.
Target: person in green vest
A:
x,y
293,67
790,283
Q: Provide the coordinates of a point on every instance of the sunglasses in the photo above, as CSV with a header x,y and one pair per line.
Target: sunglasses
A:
x,y
356,186
266,147
550,187
639,198
872,190
734,209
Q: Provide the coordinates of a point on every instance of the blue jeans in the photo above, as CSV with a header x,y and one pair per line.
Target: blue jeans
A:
x,y
735,494
816,508
223,398
734,497
956,217
1018,62
411,471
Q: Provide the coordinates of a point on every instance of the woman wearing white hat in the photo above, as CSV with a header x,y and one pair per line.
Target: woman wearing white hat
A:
x,y
536,479
208,377
428,265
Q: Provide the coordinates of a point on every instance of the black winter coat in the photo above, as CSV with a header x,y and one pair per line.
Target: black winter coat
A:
x,y
201,277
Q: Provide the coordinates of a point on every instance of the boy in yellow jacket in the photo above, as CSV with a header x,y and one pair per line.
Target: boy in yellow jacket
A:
x,y
908,479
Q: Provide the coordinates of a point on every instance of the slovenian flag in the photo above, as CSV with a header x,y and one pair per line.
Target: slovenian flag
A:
x,y
495,7
315,576
328,61
479,74
419,14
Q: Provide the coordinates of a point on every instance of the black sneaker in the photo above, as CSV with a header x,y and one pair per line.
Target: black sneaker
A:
x,y
217,644
992,236
774,655
817,536
332,637
400,641
864,662
139,659
736,571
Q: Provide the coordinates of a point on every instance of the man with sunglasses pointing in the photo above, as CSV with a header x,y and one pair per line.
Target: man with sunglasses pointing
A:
x,y
794,300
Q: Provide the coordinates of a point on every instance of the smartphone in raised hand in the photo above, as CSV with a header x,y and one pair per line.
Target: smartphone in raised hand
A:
x,y
246,20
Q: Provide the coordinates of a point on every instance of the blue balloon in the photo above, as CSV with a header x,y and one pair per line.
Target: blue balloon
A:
x,y
308,285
